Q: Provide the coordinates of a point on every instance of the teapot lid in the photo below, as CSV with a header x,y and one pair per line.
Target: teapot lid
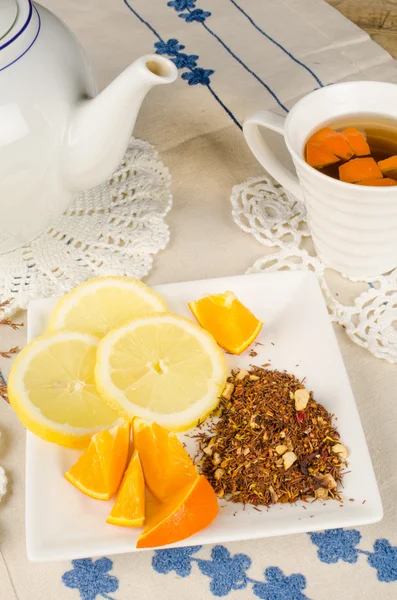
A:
x,y
8,16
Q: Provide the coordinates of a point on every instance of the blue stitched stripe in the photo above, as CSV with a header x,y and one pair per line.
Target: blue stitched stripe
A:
x,y
246,67
199,15
192,69
291,56
229,112
142,20
2,380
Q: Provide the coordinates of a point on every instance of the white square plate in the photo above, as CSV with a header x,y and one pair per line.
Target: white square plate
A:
x,y
62,523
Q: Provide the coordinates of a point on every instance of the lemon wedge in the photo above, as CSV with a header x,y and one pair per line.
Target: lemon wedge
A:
x,y
162,368
52,389
104,303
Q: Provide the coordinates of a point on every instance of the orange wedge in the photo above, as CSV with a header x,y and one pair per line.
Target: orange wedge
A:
x,y
129,507
99,470
192,509
166,465
233,326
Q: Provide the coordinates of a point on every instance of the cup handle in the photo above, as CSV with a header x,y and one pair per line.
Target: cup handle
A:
x,y
264,155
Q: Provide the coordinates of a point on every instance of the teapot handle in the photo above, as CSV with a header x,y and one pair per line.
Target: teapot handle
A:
x,y
264,154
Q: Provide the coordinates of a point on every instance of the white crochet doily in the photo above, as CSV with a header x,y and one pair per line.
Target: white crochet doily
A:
x,y
115,228
366,309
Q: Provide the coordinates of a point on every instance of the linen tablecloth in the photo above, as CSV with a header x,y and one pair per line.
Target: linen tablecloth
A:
x,y
234,56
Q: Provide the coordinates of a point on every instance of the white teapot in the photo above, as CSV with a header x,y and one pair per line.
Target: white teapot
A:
x,y
56,136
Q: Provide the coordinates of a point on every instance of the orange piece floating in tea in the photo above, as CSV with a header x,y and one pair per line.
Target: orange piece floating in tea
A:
x,y
388,165
359,169
356,141
372,156
318,157
333,141
386,181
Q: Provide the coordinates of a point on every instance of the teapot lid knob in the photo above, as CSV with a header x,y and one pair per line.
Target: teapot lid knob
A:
x,y
8,15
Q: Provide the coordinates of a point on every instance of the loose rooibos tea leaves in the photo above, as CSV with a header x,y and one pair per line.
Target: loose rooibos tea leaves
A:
x,y
272,443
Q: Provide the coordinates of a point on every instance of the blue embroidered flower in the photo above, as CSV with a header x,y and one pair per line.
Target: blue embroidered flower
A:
x,y
181,5
227,572
195,15
384,560
185,61
280,586
198,75
175,559
169,48
336,544
91,578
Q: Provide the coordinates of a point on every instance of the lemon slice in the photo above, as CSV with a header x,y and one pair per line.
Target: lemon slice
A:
x,y
104,303
52,389
162,368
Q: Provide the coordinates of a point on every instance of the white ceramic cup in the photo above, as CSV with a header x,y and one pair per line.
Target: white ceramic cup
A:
x,y
354,227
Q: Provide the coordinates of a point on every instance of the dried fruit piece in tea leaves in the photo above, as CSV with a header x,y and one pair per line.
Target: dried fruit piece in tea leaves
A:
x,y
272,443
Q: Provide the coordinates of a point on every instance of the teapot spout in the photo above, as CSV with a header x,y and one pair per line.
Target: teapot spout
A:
x,y
100,128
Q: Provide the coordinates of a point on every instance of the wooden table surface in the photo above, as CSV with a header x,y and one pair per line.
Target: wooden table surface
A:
x,y
376,17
